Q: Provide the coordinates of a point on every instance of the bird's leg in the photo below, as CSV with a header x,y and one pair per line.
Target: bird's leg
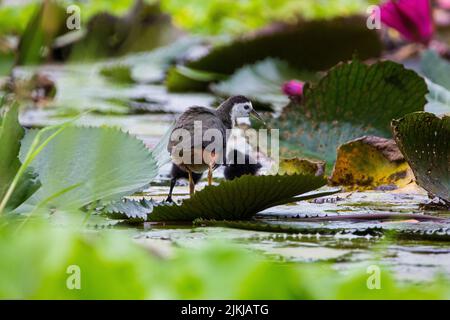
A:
x,y
172,185
209,176
191,184
210,167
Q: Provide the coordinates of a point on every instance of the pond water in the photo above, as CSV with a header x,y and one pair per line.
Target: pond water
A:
x,y
147,110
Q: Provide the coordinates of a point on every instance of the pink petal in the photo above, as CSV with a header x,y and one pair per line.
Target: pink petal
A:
x,y
444,4
412,18
293,88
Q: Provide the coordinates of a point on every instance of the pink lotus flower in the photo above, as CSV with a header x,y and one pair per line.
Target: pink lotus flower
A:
x,y
293,88
411,18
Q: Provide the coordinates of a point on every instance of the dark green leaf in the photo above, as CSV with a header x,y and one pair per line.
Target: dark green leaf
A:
x,y
351,101
298,45
424,140
241,198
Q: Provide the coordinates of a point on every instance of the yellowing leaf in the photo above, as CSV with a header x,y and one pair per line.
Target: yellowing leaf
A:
x,y
370,162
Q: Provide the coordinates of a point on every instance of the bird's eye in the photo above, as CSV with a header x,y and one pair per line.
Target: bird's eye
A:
x,y
246,107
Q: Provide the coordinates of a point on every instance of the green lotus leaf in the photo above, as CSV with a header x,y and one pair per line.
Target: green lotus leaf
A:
x,y
134,210
242,198
351,101
340,39
424,140
81,165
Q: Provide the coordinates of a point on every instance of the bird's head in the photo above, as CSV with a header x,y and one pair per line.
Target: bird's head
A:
x,y
240,107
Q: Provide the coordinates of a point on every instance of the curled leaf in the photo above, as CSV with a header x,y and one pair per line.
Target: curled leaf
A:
x,y
424,140
370,162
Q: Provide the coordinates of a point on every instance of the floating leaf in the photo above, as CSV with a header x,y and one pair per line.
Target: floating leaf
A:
x,y
296,44
370,162
82,165
351,101
147,67
118,73
262,82
424,140
242,198
129,209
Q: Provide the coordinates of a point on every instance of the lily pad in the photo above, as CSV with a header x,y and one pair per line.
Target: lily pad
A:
x,y
81,165
424,139
370,162
242,198
351,101
340,39
132,210
262,82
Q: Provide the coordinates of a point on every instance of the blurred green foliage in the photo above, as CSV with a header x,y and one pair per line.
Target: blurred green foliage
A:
x,y
238,16
15,17
35,262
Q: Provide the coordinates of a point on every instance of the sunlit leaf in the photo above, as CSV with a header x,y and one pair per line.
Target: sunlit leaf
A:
x,y
370,162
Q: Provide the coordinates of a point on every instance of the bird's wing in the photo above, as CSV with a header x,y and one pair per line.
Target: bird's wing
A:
x,y
207,119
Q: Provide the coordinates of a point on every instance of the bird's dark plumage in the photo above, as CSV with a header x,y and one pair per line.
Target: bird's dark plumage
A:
x,y
235,170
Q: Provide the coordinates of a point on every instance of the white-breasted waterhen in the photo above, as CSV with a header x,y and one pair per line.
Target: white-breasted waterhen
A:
x,y
196,154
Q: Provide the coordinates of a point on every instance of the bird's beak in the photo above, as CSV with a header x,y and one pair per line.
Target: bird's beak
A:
x,y
257,116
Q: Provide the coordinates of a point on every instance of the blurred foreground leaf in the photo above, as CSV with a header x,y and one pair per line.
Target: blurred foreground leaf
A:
x,y
11,133
114,267
424,139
